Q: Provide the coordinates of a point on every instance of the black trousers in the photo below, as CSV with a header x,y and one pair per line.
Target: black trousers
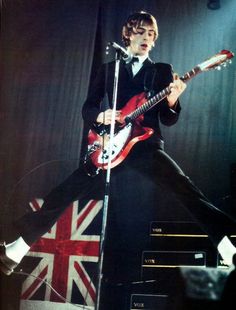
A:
x,y
149,162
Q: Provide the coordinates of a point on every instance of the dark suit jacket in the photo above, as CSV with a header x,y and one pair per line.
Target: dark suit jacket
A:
x,y
152,77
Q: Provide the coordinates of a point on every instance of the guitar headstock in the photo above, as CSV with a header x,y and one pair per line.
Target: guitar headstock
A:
x,y
217,61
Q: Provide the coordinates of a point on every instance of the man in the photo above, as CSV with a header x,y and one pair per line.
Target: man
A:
x,y
137,75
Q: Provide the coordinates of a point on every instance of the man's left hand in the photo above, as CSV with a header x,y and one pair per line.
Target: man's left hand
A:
x,y
177,87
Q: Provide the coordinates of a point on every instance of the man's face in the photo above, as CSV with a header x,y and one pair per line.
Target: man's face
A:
x,y
141,40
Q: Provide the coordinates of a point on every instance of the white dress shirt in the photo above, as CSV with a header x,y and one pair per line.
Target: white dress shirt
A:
x,y
137,65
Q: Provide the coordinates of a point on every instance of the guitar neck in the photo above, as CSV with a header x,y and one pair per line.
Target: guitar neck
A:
x,y
160,96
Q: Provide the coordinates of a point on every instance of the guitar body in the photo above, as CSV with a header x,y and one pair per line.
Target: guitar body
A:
x,y
125,137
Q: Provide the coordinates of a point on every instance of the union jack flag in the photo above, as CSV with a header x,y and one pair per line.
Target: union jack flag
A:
x,y
67,255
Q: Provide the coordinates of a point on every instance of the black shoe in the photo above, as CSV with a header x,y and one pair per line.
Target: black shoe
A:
x,y
7,265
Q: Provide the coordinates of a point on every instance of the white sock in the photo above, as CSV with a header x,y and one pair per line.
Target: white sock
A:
x,y
226,250
17,250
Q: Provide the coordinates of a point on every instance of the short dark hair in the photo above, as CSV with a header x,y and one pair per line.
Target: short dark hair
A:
x,y
134,21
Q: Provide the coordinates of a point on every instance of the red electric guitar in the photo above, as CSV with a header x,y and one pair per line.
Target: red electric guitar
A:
x,y
130,131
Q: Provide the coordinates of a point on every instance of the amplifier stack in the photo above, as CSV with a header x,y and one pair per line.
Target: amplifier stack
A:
x,y
182,263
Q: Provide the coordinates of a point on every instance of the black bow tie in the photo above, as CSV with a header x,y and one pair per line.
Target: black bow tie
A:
x,y
133,60
129,65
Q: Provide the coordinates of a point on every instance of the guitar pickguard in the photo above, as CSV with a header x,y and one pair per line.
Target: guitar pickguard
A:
x,y
119,141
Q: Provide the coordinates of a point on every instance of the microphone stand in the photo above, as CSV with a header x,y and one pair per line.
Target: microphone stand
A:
x,y
108,177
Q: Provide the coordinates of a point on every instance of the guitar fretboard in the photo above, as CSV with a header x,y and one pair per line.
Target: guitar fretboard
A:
x,y
160,96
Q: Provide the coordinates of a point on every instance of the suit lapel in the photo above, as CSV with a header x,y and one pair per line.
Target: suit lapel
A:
x,y
129,70
147,63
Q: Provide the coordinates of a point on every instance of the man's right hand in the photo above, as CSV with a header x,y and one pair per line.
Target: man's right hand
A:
x,y
105,117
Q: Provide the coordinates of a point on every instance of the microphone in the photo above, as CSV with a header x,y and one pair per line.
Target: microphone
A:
x,y
119,48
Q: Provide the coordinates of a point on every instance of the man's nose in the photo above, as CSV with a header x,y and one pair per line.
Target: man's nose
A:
x,y
145,35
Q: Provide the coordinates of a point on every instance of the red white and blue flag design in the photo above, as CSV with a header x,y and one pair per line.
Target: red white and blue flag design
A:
x,y
67,259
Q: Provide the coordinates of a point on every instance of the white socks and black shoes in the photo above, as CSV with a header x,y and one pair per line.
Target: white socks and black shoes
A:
x,y
227,251
12,254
